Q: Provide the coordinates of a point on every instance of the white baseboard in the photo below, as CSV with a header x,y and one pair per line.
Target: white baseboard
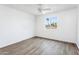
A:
x,y
77,46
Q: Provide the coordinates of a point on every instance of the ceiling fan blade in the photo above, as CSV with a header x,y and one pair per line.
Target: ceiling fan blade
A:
x,y
46,9
42,9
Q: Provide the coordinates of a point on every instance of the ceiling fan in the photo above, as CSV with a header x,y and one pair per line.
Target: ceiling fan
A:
x,y
42,9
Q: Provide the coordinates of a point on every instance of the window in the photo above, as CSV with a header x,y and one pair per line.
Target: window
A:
x,y
51,22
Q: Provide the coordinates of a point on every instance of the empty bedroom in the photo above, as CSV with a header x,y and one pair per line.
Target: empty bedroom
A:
x,y
39,29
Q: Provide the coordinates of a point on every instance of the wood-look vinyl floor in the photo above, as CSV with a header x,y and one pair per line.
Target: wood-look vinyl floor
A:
x,y
39,46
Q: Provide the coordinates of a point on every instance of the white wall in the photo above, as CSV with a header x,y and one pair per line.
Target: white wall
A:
x,y
66,30
15,26
78,26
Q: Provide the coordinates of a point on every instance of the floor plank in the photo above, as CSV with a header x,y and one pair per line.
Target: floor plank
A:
x,y
39,46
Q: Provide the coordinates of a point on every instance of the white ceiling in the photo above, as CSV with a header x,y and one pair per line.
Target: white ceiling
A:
x,y
33,8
